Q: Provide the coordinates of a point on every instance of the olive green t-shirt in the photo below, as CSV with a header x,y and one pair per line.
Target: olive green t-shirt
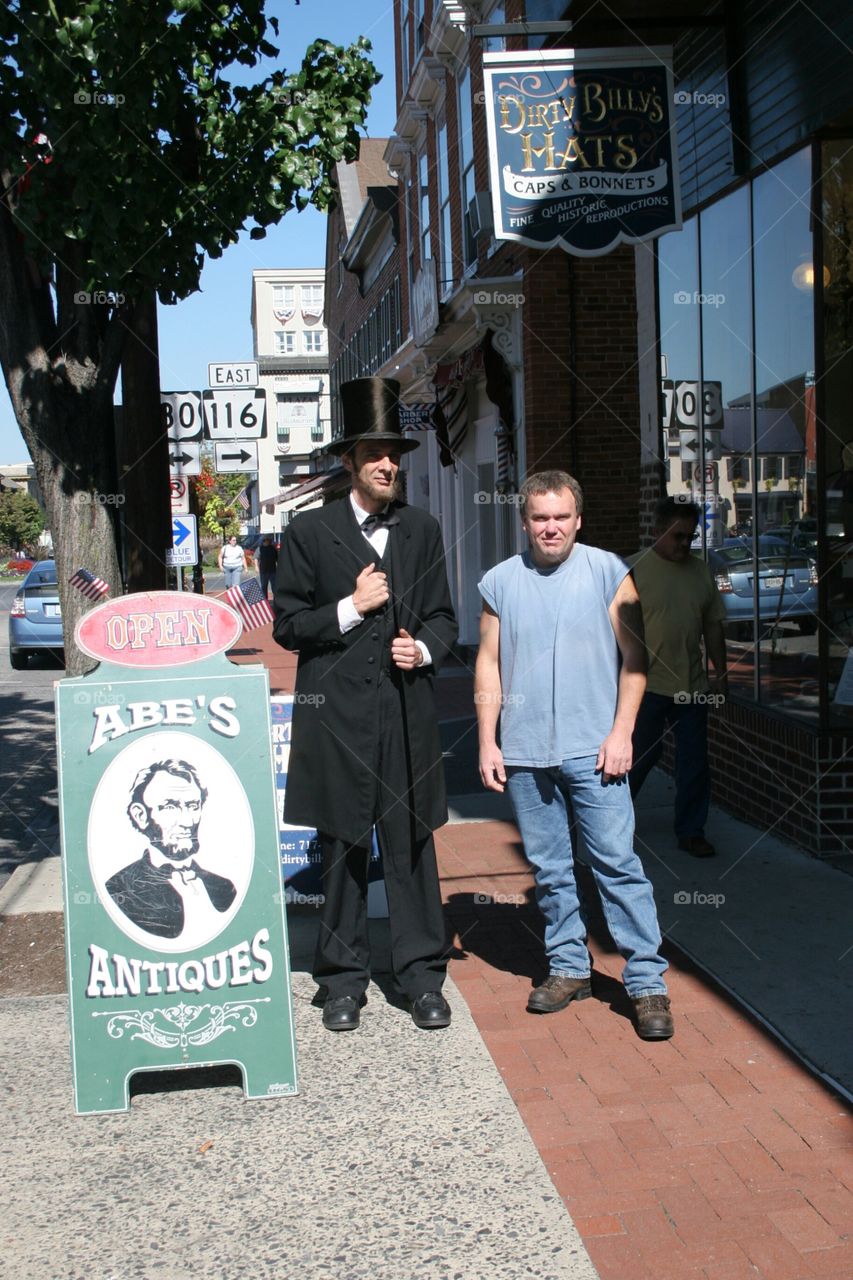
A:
x,y
679,601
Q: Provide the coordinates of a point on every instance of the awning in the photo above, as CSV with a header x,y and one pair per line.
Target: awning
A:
x,y
311,487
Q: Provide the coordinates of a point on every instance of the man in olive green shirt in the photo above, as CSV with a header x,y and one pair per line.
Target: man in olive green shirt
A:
x,y
681,609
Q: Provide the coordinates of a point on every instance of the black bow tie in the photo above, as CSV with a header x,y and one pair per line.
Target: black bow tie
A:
x,y
382,520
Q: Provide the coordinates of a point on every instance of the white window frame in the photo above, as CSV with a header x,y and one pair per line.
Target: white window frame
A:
x,y
308,342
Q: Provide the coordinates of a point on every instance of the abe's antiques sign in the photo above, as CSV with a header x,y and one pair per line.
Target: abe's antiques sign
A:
x,y
581,149
174,919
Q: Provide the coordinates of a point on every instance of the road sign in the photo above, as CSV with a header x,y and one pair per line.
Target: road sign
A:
x,y
227,377
681,404
708,475
234,415
184,548
179,495
242,455
689,445
181,413
185,459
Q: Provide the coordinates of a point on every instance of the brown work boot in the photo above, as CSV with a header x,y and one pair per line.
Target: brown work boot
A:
x,y
556,992
697,846
652,1017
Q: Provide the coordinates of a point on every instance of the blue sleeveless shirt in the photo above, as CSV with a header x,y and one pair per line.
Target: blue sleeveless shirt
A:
x,y
559,660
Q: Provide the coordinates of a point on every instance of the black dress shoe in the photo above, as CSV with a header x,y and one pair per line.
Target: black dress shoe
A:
x,y
431,1010
341,1014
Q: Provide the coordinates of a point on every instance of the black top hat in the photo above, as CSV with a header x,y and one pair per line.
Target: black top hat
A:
x,y
371,409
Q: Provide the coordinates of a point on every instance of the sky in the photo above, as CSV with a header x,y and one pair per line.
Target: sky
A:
x,y
214,324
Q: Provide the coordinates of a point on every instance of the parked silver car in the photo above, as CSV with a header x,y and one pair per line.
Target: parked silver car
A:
x,y
35,620
787,582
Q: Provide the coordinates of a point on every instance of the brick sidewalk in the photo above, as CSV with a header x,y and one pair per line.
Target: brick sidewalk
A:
x,y
713,1156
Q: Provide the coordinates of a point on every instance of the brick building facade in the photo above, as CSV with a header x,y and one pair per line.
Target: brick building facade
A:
x,y
521,359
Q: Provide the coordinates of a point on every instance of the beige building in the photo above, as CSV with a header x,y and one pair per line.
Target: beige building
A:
x,y
292,350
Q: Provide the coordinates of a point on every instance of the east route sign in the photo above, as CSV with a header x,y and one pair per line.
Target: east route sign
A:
x,y
175,930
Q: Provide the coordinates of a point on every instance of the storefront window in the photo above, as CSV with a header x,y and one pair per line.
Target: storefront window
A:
x,y
740,422
834,283
784,391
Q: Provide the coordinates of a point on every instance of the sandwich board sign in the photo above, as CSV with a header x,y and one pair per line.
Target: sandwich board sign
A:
x,y
176,941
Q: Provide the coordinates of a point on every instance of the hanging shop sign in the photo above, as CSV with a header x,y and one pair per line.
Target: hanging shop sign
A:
x,y
175,932
582,147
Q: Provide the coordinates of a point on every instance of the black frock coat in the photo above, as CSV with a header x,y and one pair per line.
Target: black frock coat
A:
x,y
332,768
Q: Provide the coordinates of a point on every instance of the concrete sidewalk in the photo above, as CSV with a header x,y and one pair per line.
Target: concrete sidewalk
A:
x,y
720,1155
402,1156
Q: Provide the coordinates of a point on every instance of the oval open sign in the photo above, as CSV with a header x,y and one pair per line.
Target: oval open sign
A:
x,y
158,629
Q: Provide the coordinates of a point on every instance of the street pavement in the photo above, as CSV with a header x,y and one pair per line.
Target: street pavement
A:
x,y
510,1145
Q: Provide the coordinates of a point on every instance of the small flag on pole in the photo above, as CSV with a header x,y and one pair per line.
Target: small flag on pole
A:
x,y
91,585
251,603
242,499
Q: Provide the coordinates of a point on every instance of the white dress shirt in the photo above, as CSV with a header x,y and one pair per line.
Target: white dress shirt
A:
x,y
348,616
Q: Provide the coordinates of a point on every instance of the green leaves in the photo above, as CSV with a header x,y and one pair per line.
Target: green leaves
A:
x,y
157,157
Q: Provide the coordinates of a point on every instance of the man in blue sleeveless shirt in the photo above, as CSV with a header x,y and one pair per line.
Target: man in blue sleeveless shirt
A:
x,y
562,666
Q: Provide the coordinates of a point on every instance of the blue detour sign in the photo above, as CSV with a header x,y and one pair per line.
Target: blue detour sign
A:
x,y
301,860
581,149
175,930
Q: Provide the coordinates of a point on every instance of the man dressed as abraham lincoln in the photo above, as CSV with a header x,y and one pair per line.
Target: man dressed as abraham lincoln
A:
x,y
361,594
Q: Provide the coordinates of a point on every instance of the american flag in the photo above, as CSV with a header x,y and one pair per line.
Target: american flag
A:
x,y
91,585
251,603
242,499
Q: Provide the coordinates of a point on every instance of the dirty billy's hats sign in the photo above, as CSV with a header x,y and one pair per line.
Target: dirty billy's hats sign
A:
x,y
175,930
581,149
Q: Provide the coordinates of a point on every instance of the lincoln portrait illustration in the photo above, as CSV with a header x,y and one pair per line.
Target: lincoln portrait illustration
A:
x,y
165,891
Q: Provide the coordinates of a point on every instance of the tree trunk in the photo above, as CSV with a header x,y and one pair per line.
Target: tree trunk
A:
x,y
59,353
143,455
79,499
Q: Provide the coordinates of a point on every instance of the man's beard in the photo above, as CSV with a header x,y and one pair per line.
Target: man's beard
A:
x,y
381,494
175,854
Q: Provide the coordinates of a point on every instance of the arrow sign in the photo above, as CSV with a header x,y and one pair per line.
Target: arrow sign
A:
x,y
184,548
238,456
180,533
185,459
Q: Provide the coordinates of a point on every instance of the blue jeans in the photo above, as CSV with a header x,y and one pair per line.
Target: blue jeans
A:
x,y
689,721
544,801
232,577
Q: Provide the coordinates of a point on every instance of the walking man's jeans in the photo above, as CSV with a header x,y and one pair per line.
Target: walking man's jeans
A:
x,y
689,721
544,801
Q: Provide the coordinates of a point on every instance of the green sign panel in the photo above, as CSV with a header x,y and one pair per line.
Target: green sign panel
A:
x,y
175,929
